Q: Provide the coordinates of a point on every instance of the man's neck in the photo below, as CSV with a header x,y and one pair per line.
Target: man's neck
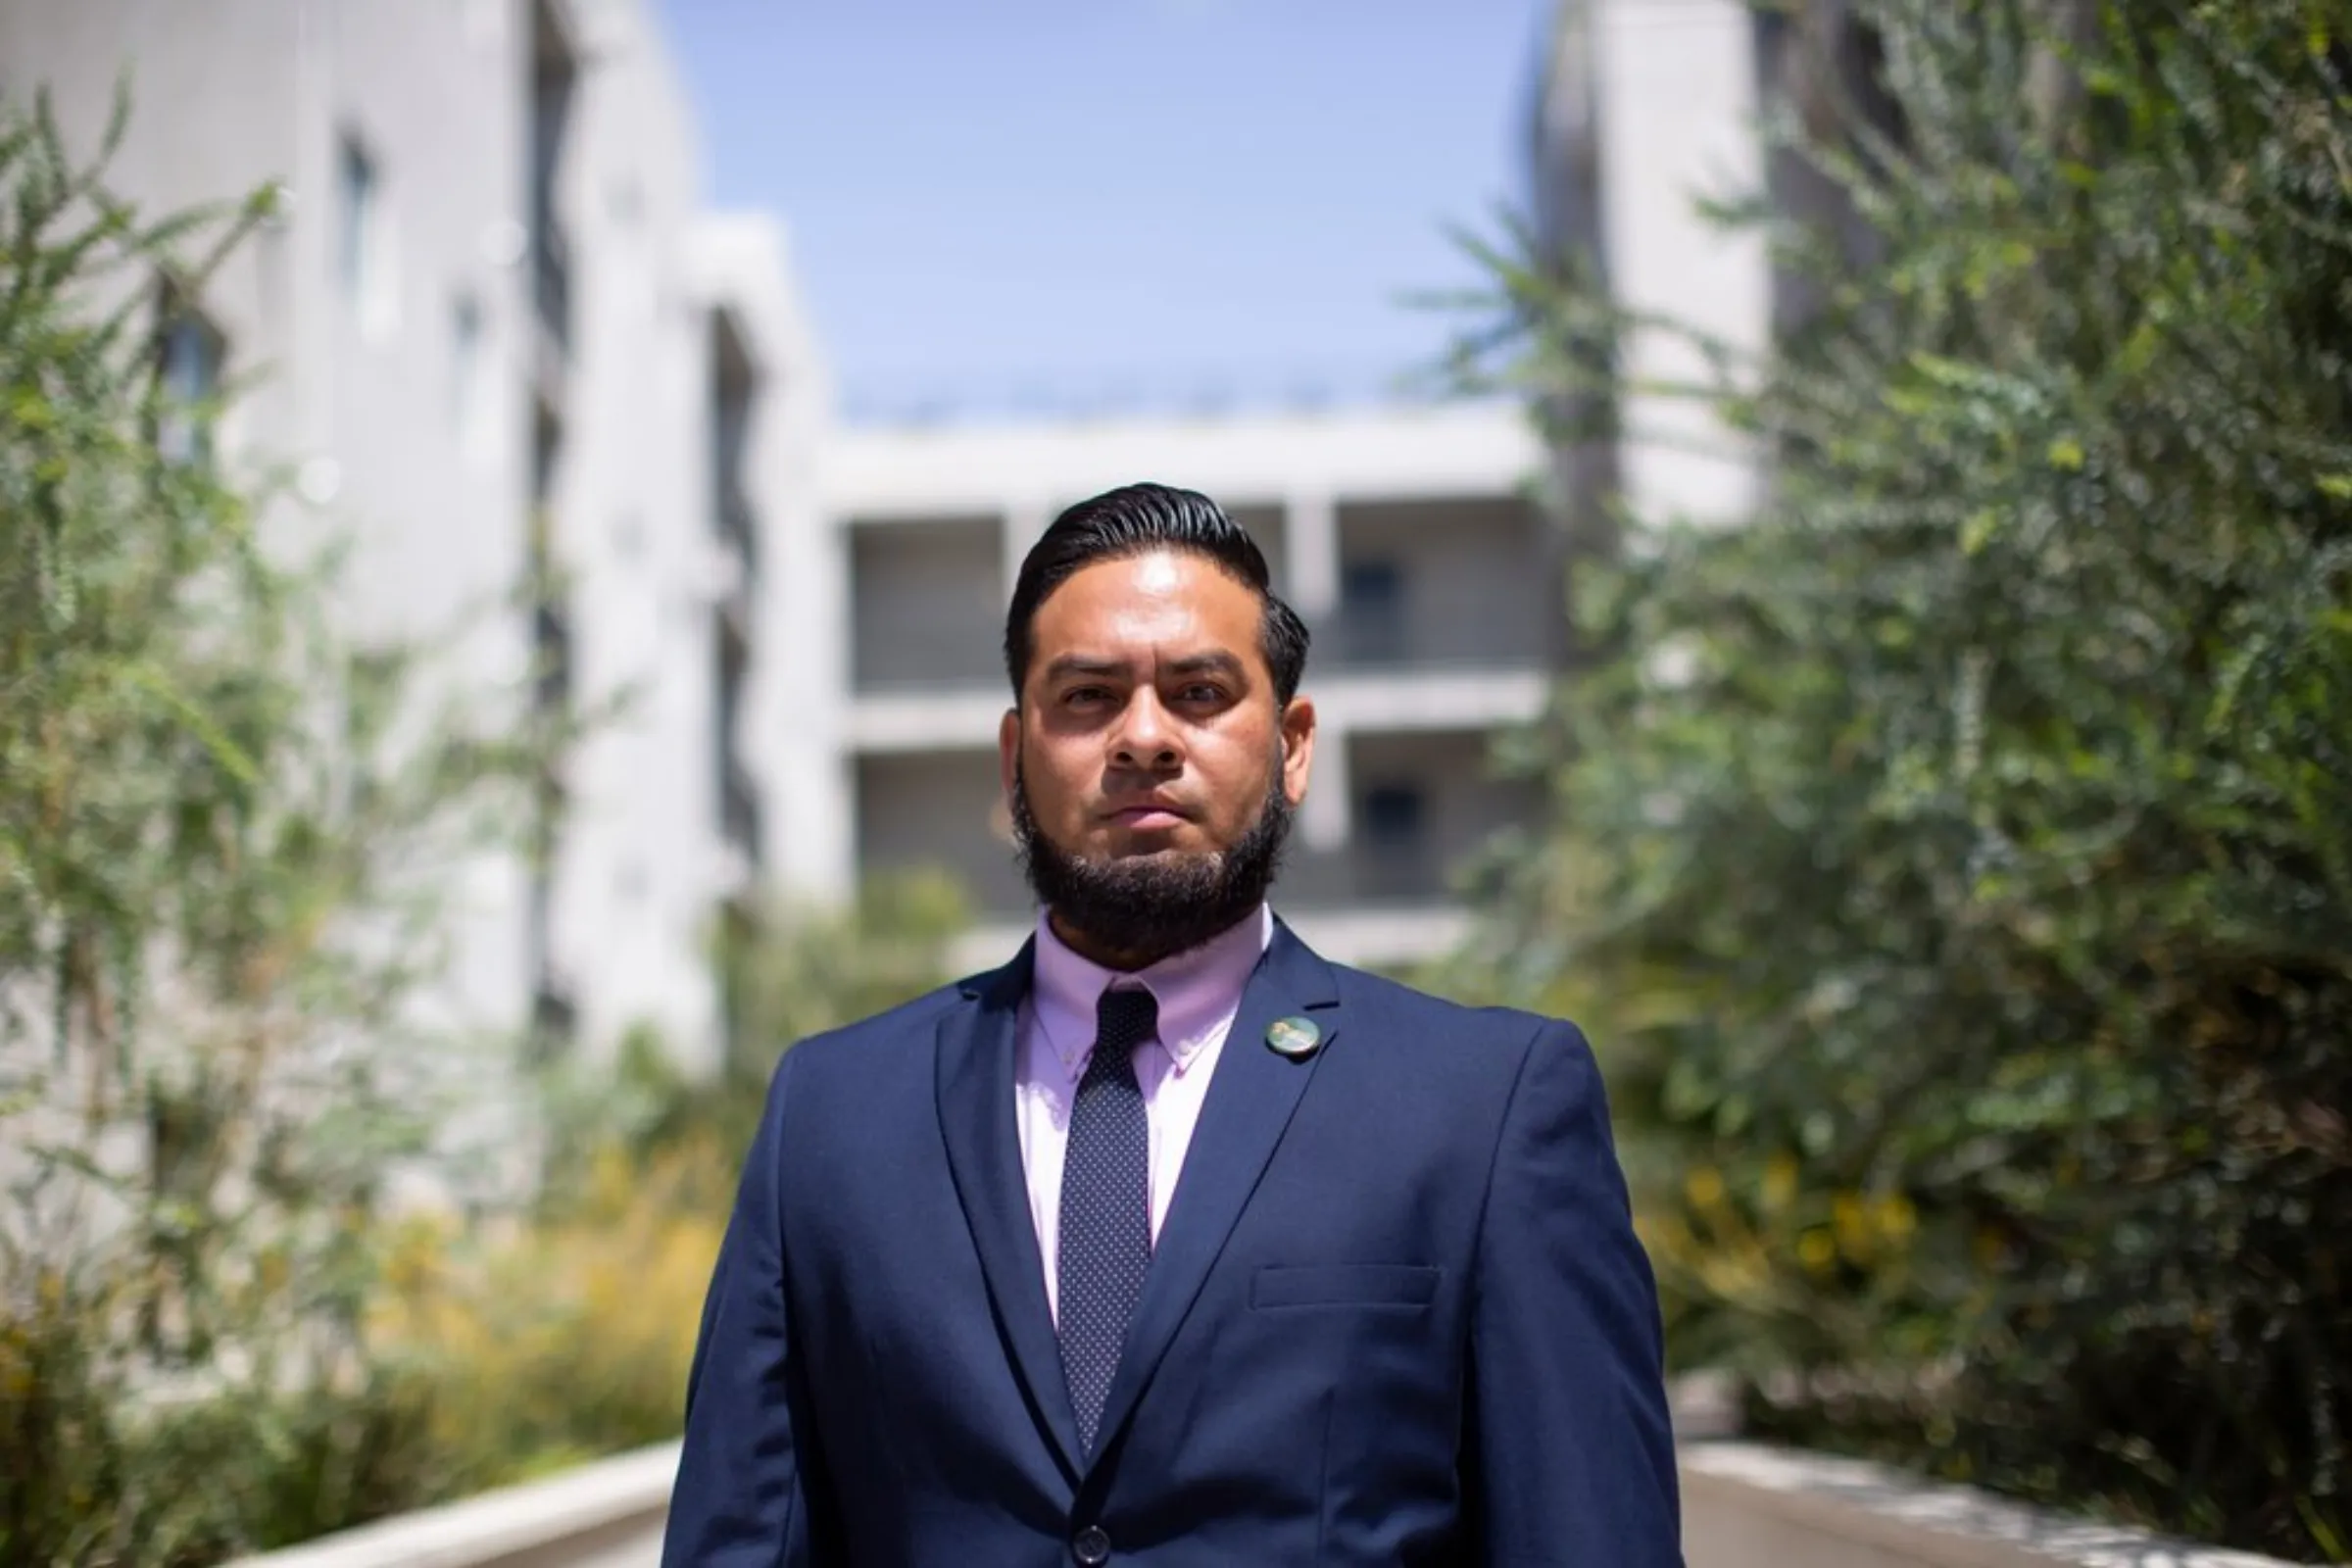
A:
x,y
1123,961
1095,952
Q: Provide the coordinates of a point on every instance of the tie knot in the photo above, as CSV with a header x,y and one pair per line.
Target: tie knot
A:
x,y
1125,1019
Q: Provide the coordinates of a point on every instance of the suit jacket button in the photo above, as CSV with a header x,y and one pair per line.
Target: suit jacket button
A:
x,y
1091,1547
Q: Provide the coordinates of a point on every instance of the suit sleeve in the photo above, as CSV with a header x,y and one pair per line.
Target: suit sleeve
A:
x,y
1571,1453
742,1494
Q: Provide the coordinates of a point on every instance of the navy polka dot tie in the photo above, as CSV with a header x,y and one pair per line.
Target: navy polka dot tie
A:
x,y
1105,1207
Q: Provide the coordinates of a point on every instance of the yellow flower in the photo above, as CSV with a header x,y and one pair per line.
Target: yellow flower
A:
x,y
1851,1227
1817,1249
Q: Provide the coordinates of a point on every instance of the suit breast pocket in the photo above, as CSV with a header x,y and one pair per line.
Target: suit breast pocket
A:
x,y
1405,1285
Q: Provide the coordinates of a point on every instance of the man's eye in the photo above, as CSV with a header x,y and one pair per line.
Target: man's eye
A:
x,y
1201,693
1085,694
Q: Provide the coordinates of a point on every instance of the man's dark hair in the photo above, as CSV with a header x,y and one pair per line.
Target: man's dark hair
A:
x,y
1133,520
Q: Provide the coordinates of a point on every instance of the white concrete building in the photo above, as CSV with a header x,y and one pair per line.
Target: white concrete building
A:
x,y
1643,109
496,326
1406,539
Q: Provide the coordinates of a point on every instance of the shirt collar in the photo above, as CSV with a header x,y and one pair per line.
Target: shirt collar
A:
x,y
1198,991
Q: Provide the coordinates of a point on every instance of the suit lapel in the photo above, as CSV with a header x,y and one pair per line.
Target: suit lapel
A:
x,y
1249,1106
977,1057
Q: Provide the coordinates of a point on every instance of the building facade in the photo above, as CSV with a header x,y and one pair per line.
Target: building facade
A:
x,y
501,346
1407,539
501,342
1643,109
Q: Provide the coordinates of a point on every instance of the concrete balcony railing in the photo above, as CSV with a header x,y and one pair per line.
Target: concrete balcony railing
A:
x,y
602,1515
1744,1507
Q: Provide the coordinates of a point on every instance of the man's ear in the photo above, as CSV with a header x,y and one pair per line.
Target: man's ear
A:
x,y
1298,747
1009,750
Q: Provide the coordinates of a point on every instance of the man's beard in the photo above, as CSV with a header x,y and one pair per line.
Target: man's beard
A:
x,y
1146,908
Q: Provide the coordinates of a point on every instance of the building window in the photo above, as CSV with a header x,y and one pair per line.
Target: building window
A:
x,y
1371,612
1393,815
554,74
473,391
189,355
362,251
1396,842
739,804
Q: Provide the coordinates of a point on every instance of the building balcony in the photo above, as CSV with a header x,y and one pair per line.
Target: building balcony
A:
x,y
926,605
940,809
730,593
882,723
1359,639
551,656
550,280
1410,700
1443,584
738,523
734,569
740,812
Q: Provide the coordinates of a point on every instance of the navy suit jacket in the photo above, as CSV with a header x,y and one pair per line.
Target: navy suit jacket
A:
x,y
1397,1313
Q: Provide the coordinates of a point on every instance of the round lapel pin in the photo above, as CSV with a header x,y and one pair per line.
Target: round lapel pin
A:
x,y
1294,1037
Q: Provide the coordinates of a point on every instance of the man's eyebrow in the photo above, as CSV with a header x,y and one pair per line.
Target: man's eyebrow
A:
x,y
1080,667
1219,662
1066,665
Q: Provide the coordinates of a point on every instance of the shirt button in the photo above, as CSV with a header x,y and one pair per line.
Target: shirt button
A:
x,y
1092,1546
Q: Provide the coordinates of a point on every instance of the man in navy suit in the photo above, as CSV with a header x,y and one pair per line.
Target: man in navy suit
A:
x,y
1171,1242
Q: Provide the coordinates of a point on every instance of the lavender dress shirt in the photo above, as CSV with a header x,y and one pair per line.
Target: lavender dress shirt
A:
x,y
1197,992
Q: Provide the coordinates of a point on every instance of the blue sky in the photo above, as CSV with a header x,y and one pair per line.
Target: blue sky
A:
x,y
994,202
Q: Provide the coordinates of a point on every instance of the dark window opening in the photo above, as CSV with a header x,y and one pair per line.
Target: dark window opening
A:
x,y
1372,613
1392,826
189,355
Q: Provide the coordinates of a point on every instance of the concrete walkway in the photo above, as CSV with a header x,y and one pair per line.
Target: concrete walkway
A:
x,y
1745,1505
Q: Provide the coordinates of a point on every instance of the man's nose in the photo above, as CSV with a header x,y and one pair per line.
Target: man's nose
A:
x,y
1145,738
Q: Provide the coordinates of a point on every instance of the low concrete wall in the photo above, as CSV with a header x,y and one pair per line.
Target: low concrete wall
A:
x,y
602,1515
1745,1505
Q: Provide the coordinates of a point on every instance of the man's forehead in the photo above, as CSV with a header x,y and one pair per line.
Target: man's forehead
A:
x,y
1163,571
1161,575
1155,596
1176,608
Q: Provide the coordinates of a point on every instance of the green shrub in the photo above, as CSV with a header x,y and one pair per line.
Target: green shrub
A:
x,y
795,970
1957,859
221,883
568,1334
538,1345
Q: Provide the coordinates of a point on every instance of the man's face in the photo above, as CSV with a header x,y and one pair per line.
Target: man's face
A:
x,y
1148,741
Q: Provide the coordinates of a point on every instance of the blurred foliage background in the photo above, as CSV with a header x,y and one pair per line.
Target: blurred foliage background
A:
x,y
1956,863
227,839
214,893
